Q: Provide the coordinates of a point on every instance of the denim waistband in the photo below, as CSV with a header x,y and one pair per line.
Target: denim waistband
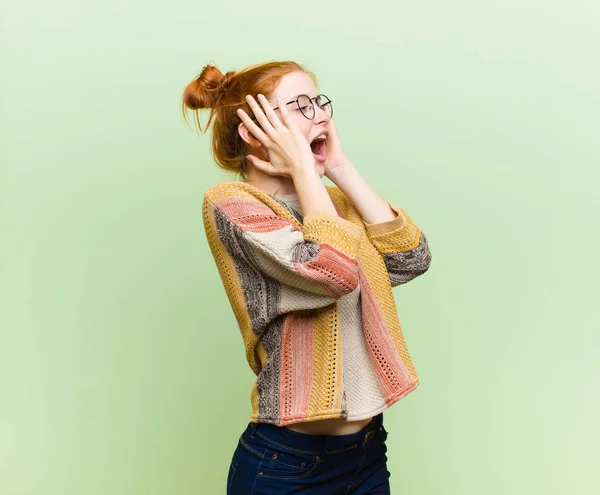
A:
x,y
315,443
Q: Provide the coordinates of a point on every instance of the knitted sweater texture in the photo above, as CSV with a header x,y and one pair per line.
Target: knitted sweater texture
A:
x,y
312,295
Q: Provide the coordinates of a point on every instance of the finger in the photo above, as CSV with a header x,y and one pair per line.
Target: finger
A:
x,y
284,113
270,112
252,127
260,115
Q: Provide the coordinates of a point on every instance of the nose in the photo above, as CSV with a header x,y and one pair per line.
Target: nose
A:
x,y
320,114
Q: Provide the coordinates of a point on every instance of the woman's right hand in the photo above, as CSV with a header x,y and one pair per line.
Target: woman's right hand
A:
x,y
288,149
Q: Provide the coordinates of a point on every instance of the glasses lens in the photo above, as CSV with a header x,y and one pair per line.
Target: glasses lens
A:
x,y
306,106
325,104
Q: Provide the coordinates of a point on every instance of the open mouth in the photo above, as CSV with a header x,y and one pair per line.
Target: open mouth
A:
x,y
319,147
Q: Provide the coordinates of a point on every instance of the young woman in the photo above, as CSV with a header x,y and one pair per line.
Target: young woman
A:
x,y
308,270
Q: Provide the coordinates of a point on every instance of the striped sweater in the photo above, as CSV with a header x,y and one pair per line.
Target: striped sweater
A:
x,y
312,296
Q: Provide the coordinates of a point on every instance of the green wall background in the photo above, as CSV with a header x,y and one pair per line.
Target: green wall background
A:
x,y
122,369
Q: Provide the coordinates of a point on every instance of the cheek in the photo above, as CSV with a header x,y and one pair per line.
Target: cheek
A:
x,y
304,125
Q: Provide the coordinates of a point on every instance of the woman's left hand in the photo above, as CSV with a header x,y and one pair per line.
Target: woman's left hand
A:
x,y
335,155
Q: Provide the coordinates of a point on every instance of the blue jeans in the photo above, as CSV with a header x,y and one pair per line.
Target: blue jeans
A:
x,y
274,460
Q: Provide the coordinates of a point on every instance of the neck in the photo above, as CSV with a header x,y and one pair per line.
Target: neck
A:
x,y
271,184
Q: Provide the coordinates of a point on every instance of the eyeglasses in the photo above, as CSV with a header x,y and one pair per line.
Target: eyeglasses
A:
x,y
307,108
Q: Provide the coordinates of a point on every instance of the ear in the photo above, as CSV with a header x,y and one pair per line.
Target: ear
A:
x,y
246,136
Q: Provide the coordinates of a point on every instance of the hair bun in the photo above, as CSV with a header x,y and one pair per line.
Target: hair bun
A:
x,y
226,80
206,89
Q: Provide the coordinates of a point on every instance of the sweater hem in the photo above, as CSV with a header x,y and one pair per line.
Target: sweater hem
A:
x,y
326,414
336,413
388,402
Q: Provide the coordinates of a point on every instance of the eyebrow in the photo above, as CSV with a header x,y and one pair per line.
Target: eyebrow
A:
x,y
296,96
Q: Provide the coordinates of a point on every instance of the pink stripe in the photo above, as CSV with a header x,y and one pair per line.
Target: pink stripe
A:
x,y
252,216
391,371
333,269
296,364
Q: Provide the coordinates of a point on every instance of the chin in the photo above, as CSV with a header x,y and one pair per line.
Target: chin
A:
x,y
320,168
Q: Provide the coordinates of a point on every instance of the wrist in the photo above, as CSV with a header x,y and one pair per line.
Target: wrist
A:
x,y
339,171
304,172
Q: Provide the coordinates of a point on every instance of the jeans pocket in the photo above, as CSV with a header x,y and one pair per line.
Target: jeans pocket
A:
x,y
278,460
273,458
283,463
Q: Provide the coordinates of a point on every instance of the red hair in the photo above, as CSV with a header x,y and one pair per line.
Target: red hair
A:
x,y
223,95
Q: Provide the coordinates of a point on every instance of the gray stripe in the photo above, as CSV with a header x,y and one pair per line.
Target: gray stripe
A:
x,y
292,207
404,266
269,377
262,294
305,252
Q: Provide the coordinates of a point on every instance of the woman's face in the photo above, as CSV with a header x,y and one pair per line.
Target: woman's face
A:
x,y
289,88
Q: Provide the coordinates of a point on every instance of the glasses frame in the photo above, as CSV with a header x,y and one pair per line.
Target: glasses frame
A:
x,y
312,101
